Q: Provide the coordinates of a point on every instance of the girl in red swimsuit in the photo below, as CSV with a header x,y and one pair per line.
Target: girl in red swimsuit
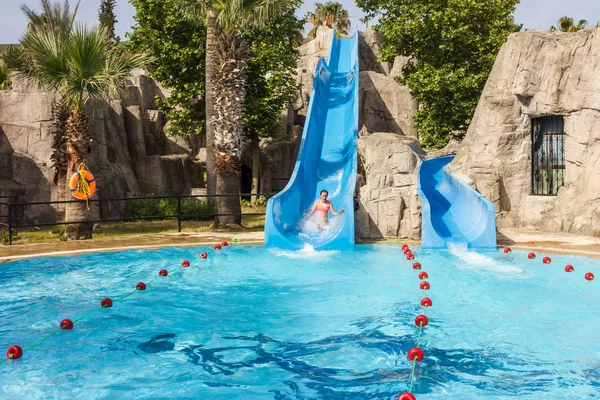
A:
x,y
322,207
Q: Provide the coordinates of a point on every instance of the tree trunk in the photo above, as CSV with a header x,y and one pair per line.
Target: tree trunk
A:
x,y
255,171
209,95
78,212
228,102
77,149
61,112
228,183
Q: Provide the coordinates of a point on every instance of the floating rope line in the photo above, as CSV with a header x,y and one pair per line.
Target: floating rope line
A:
x,y
547,260
416,353
14,352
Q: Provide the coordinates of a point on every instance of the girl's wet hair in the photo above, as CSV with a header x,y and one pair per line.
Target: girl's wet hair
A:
x,y
324,191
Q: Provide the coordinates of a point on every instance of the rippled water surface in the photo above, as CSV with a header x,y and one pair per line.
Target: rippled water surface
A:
x,y
249,323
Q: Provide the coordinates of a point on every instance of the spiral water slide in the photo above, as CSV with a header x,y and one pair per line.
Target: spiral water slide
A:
x,y
326,160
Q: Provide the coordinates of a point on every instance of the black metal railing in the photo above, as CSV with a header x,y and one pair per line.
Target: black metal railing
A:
x,y
14,221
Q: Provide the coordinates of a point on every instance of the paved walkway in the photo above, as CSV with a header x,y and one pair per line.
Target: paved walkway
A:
x,y
521,239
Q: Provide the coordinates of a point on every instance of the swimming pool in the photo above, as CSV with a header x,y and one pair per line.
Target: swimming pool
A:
x,y
247,323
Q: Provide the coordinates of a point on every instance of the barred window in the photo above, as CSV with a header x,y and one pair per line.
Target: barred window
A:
x,y
548,158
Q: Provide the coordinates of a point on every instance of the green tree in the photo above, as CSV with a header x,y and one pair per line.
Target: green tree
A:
x,y
567,24
271,80
80,65
176,40
108,20
332,13
4,80
452,47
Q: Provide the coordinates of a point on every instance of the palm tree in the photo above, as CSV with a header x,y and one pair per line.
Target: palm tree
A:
x,y
80,66
567,24
226,55
331,13
59,19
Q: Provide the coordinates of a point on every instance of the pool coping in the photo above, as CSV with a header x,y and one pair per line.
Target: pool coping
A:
x,y
518,239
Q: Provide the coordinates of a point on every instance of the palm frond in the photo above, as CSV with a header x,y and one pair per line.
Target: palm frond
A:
x,y
86,58
235,15
43,59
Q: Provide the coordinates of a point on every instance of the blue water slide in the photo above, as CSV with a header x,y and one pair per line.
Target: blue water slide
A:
x,y
327,158
452,211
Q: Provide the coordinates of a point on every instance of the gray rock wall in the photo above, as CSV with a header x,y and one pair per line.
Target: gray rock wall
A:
x,y
130,153
388,202
538,74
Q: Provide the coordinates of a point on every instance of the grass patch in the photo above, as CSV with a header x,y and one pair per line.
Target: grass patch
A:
x,y
250,223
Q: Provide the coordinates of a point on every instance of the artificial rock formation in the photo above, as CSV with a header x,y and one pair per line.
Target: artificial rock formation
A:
x,y
130,153
538,74
388,203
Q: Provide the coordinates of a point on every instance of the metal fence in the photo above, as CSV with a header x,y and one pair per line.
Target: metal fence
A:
x,y
16,212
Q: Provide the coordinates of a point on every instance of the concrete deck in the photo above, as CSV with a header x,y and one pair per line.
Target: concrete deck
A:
x,y
521,239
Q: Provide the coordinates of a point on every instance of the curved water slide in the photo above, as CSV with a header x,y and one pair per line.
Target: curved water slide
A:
x,y
453,212
327,158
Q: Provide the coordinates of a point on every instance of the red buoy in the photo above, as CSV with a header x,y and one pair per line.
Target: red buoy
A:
x,y
507,250
163,272
410,256
407,396
140,286
407,251
185,263
14,352
404,246
417,265
547,260
421,320
417,353
569,268
203,255
426,302
225,244
66,324
423,275
425,285
531,256
589,276
217,247
106,303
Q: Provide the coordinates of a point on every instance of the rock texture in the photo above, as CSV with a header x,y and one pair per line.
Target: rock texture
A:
x,y
388,202
538,74
130,153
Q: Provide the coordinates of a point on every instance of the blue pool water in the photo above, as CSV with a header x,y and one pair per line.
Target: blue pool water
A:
x,y
249,323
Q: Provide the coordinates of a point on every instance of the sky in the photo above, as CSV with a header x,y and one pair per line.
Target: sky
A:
x,y
533,14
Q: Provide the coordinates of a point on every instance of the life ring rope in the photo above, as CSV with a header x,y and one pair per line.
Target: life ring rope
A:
x,y
82,184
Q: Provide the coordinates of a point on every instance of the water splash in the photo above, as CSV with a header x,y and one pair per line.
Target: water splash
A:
x,y
479,261
307,252
312,230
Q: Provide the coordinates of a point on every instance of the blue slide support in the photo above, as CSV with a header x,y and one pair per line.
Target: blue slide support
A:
x,y
327,158
452,211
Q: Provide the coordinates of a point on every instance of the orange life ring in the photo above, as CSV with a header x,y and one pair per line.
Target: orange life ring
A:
x,y
75,187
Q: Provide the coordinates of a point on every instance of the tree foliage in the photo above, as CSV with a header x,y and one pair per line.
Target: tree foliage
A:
x,y
176,40
567,24
271,77
452,46
331,13
108,20
4,80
